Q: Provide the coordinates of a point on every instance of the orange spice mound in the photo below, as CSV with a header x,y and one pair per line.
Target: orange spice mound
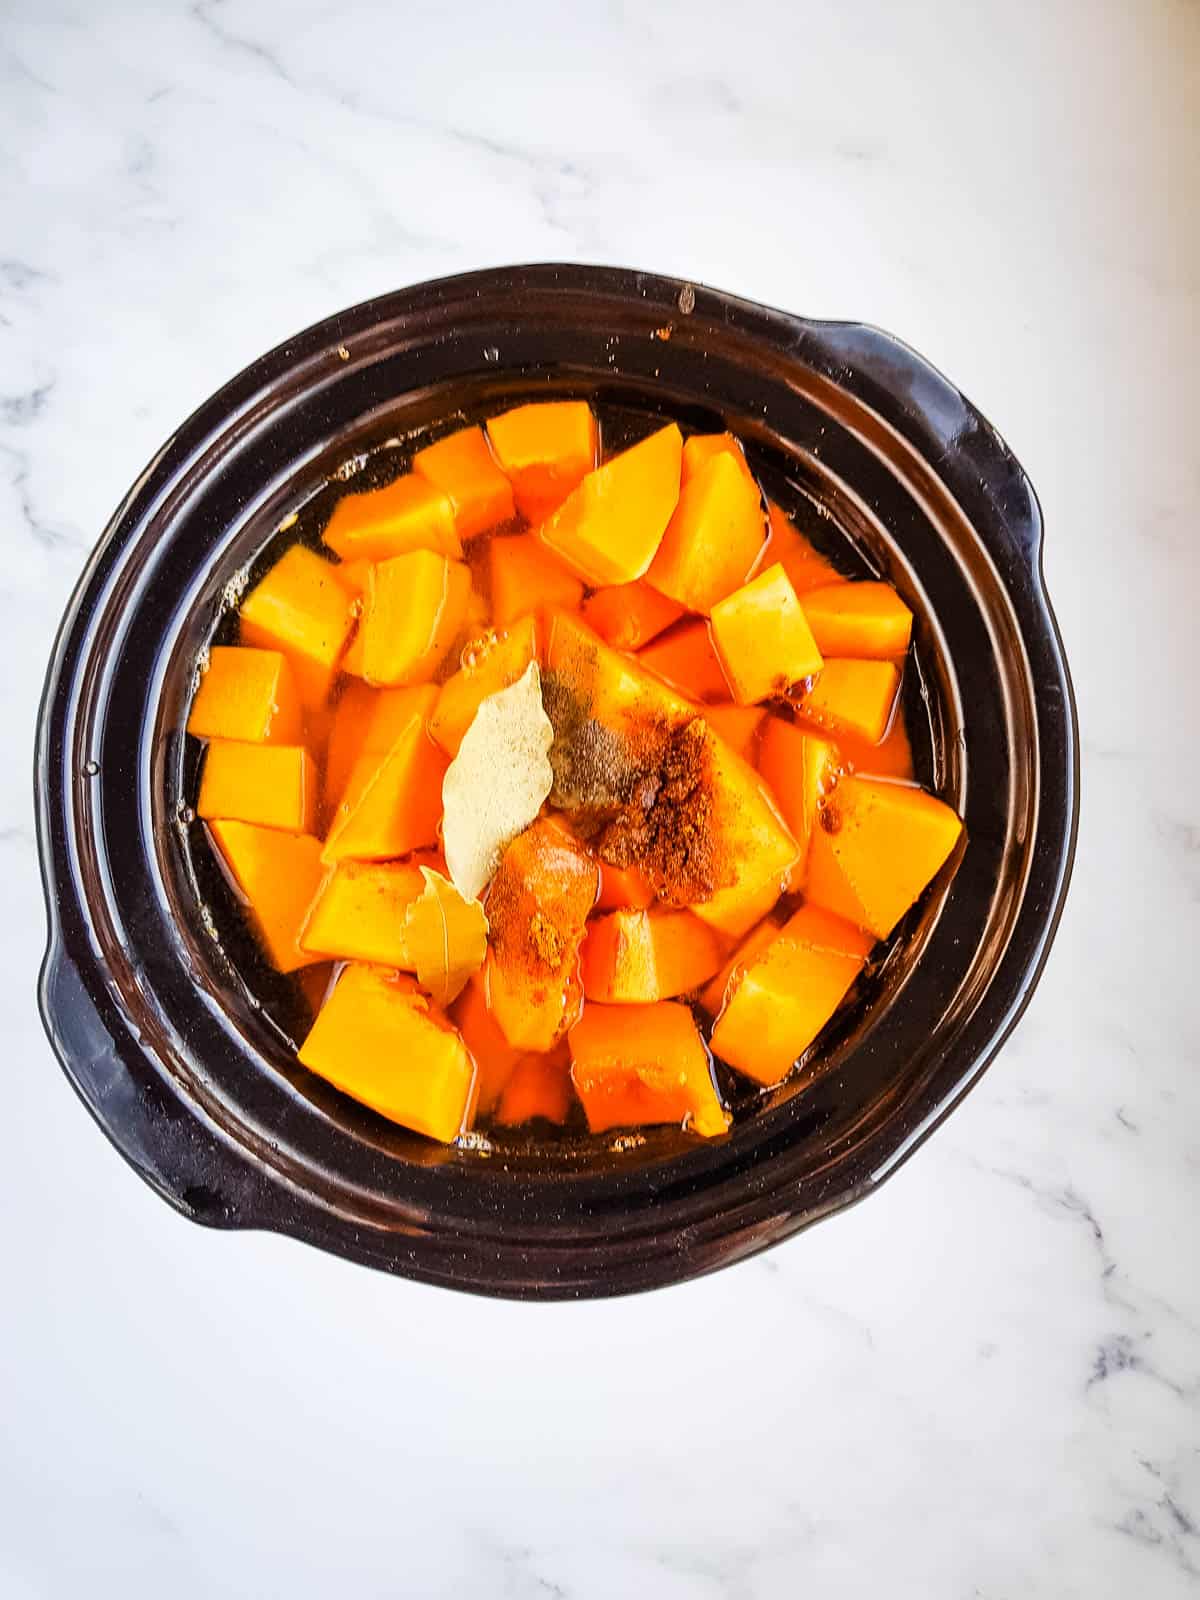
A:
x,y
666,824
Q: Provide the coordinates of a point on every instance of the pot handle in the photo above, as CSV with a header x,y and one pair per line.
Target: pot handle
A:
x,y
179,1154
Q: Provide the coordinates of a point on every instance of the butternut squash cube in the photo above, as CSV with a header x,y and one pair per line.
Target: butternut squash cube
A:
x,y
359,913
714,537
461,465
609,528
527,578
805,566
639,956
248,695
299,607
867,621
413,610
490,663
629,615
700,448
786,994
392,804
545,448
538,903
614,688
638,1065
685,657
408,514
277,874
366,722
800,769
755,845
737,725
494,1057
712,996
763,639
540,1086
877,847
623,889
378,1038
271,784
854,697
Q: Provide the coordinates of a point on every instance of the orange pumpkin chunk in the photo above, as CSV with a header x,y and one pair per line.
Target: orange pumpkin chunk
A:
x,y
762,638
359,913
545,448
609,528
462,467
272,784
855,697
490,663
632,956
701,448
799,768
868,621
494,1057
754,843
277,875
638,1065
299,607
527,578
392,804
623,888
737,725
615,688
712,996
686,658
248,695
540,1086
408,514
786,994
713,539
877,847
413,610
805,566
629,615
538,904
378,1038
368,721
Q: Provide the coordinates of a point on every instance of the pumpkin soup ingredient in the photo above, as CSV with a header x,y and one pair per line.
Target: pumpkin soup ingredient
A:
x,y
446,936
876,847
367,722
359,913
712,996
274,784
494,1057
800,769
685,657
737,725
490,662
528,578
804,564
864,620
633,1065
855,697
538,904
539,1087
246,694
462,467
609,528
714,536
277,874
700,448
392,802
545,449
763,639
785,994
413,609
300,608
496,784
629,615
378,1038
407,514
631,956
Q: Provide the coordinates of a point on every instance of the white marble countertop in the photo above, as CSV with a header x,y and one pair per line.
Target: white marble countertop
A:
x,y
986,1380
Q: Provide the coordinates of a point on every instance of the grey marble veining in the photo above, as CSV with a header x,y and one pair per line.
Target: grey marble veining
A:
x,y
985,1382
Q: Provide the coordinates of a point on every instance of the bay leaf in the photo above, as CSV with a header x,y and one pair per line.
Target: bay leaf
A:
x,y
446,935
498,781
